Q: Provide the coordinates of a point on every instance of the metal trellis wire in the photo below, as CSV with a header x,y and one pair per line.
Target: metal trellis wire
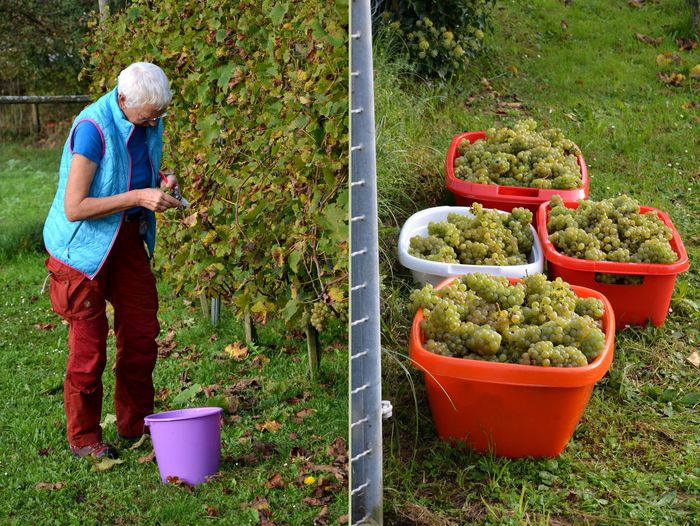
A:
x,y
365,356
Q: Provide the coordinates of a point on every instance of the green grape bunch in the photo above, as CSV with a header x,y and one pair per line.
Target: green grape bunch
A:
x,y
320,313
531,322
488,237
521,156
610,230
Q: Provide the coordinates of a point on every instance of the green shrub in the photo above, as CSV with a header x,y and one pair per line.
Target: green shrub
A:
x,y
257,133
439,37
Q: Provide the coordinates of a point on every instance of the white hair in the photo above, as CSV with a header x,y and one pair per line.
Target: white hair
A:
x,y
144,83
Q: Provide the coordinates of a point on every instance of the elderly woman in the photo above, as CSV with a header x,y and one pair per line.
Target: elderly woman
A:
x,y
100,235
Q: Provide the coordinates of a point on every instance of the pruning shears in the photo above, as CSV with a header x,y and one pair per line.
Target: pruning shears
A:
x,y
175,190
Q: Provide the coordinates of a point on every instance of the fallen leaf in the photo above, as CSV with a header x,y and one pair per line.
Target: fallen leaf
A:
x,y
649,40
44,452
486,84
44,326
294,400
694,359
260,361
270,425
275,481
304,413
309,480
236,351
298,451
664,59
147,458
50,485
177,481
242,385
318,501
293,436
140,442
326,468
343,519
266,448
105,464
686,44
109,420
210,390
337,448
694,72
322,517
635,3
674,79
212,511
688,105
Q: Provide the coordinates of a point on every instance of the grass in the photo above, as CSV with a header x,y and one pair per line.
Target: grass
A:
x,y
28,177
277,422
633,459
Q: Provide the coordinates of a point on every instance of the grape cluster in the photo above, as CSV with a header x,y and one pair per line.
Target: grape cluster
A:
x,y
487,238
533,322
609,230
520,156
320,312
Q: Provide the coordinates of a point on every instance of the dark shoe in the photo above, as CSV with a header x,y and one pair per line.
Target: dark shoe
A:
x,y
97,450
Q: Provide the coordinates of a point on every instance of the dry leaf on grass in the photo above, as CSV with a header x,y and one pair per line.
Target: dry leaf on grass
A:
x,y
694,72
694,359
140,441
649,40
275,481
686,44
50,485
271,426
236,350
664,59
147,458
674,79
106,464
44,326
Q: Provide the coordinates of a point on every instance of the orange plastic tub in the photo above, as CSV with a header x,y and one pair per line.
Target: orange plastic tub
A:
x,y
504,197
511,410
633,304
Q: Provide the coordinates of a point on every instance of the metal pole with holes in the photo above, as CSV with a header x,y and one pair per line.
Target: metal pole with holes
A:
x,y
365,357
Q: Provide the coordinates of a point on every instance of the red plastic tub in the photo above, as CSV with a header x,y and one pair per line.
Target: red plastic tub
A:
x,y
633,304
511,410
504,197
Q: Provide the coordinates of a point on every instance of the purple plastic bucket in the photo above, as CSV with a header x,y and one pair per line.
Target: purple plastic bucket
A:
x,y
187,443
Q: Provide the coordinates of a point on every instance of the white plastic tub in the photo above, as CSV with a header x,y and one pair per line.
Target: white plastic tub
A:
x,y
434,272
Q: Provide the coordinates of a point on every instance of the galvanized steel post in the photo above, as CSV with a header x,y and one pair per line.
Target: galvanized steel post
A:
x,y
365,351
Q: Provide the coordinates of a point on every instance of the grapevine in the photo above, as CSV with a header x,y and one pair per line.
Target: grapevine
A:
x,y
520,156
532,322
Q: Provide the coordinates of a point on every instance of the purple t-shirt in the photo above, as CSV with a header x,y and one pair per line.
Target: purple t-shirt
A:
x,y
87,141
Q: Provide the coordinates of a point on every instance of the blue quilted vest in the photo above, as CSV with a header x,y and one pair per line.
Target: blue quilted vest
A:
x,y
85,245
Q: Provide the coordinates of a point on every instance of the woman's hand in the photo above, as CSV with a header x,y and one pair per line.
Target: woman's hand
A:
x,y
156,200
168,180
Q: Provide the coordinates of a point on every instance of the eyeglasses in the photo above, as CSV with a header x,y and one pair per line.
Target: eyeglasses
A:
x,y
154,119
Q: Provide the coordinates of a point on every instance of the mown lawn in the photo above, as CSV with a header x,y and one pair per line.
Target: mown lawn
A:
x,y
634,457
283,441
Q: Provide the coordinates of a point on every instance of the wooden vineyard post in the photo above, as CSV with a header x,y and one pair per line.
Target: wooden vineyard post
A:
x,y
314,350
249,327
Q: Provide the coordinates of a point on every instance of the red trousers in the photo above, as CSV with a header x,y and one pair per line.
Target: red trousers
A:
x,y
126,281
